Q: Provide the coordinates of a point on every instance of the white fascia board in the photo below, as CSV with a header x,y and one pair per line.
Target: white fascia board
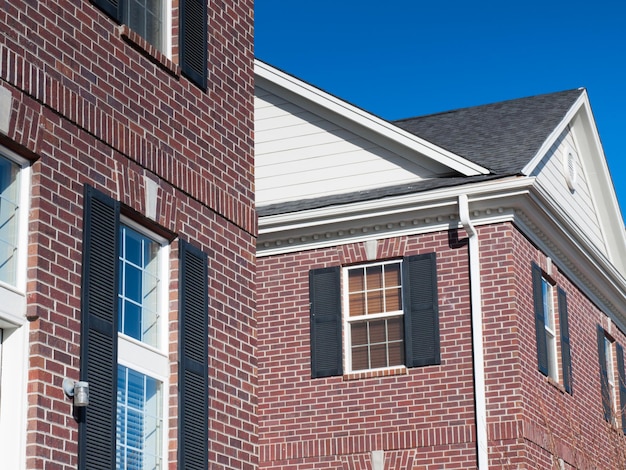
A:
x,y
367,120
392,205
556,132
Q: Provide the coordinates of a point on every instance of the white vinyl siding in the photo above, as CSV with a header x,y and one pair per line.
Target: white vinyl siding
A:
x,y
551,177
300,155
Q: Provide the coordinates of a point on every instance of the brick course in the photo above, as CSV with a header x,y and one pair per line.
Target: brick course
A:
x,y
428,412
91,107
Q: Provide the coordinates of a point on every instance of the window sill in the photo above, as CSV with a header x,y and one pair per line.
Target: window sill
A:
x,y
555,384
148,50
368,374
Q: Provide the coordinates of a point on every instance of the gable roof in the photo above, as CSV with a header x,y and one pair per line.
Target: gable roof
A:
x,y
503,137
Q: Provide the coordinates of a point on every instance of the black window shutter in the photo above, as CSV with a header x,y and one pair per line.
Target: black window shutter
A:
x,y
99,330
193,377
421,310
113,8
566,356
326,326
622,384
604,378
540,326
193,41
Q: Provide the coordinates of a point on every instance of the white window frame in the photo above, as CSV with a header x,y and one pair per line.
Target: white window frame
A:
x,y
141,357
609,356
347,320
14,357
547,294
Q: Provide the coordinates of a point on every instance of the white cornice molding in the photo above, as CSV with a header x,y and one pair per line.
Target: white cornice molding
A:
x,y
384,218
276,81
512,200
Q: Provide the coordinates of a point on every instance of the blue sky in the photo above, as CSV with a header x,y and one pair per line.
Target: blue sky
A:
x,y
403,58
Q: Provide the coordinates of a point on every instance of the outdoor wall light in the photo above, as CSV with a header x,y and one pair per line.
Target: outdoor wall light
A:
x,y
79,391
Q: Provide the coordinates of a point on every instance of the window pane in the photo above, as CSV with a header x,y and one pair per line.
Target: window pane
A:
x,y
359,333
138,429
378,333
357,304
139,287
392,275
392,300
378,355
9,193
356,280
395,329
374,302
374,278
360,358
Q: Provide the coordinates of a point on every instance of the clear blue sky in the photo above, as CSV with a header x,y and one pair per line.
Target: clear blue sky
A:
x,y
403,58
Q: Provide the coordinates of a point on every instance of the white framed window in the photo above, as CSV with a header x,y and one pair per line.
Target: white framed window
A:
x,y
550,327
14,204
151,19
143,367
609,357
374,319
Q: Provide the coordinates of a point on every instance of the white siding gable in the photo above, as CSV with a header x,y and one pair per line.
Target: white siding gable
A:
x,y
300,155
576,204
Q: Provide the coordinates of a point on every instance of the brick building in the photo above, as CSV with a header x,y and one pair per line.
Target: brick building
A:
x,y
127,231
439,292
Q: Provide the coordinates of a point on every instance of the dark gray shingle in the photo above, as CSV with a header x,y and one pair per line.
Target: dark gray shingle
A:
x,y
502,137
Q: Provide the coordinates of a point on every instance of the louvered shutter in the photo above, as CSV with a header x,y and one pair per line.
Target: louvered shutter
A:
x,y
193,41
421,310
193,362
99,330
326,326
604,378
566,358
540,326
622,384
113,8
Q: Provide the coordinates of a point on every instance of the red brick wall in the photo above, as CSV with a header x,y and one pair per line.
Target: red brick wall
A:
x,y
427,416
532,421
89,108
334,422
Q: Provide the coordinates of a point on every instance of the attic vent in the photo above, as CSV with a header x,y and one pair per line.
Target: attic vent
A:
x,y
570,168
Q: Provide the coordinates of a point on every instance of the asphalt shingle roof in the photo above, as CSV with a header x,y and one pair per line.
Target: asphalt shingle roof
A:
x,y
502,137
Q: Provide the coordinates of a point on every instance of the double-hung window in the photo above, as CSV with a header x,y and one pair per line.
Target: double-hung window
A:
x,y
154,21
374,316
142,370
612,379
549,322
125,348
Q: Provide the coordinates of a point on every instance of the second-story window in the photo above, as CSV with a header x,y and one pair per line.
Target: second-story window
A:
x,y
147,18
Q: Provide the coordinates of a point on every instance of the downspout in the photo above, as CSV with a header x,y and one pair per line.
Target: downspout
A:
x,y
480,401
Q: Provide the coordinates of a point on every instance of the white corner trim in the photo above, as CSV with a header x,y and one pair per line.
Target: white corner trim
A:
x,y
367,120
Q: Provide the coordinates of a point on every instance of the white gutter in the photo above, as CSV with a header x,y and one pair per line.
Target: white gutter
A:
x,y
477,335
